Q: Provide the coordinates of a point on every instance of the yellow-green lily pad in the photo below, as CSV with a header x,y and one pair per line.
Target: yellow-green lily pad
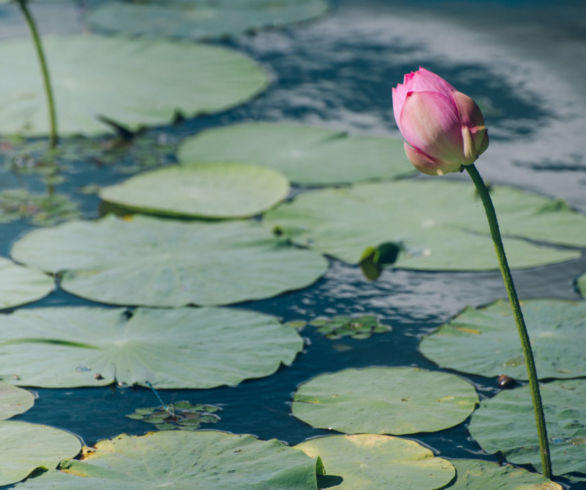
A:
x,y
14,400
20,285
582,285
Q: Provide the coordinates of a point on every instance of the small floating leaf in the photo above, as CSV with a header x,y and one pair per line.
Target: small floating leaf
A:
x,y
359,327
582,285
20,285
40,209
179,415
14,400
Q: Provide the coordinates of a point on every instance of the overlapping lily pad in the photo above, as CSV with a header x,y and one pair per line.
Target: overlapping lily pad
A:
x,y
26,447
167,348
201,19
437,225
132,82
177,459
220,190
20,285
370,461
150,261
505,423
485,341
305,154
14,400
380,400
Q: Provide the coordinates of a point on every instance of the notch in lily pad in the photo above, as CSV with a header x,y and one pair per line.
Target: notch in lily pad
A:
x,y
179,415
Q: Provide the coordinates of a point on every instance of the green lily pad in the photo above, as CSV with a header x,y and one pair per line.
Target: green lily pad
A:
x,y
201,19
14,400
485,341
505,423
150,261
220,190
370,461
178,459
474,474
437,225
20,285
26,447
179,415
40,209
582,284
168,348
381,400
305,154
357,327
132,82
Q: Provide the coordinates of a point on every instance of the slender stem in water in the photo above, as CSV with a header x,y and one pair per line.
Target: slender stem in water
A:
x,y
23,4
518,314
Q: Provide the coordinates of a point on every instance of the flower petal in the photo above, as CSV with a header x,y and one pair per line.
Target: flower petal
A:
x,y
426,81
426,164
470,113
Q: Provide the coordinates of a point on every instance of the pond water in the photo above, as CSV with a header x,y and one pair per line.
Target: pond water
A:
x,y
519,59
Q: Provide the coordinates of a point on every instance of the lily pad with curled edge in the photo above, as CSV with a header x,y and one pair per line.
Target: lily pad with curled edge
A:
x,y
473,474
505,423
156,262
14,400
26,447
436,225
220,190
371,461
485,341
381,400
167,348
179,459
305,154
201,19
132,82
20,285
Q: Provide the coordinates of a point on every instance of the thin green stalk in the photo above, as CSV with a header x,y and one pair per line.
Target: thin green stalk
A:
x,y
518,314
23,4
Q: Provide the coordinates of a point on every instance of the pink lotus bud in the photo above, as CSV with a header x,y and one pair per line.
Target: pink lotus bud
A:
x,y
443,128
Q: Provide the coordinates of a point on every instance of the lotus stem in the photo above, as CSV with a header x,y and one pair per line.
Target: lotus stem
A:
x,y
23,4
518,314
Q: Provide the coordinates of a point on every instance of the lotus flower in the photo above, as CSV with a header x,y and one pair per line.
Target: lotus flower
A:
x,y
443,128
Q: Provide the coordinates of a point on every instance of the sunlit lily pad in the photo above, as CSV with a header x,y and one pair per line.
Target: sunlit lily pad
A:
x,y
168,348
221,190
305,154
582,284
505,423
20,285
26,447
380,400
370,461
177,459
179,415
132,82
150,261
437,225
485,341
14,400
201,19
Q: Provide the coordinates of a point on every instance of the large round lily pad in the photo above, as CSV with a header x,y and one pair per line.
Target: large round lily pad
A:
x,y
168,348
133,82
371,461
20,285
26,447
381,400
14,400
437,225
505,423
473,474
150,261
220,190
485,341
177,459
201,19
305,154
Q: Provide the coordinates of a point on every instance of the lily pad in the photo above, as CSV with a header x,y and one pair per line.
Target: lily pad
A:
x,y
150,261
167,348
20,285
305,154
14,400
505,423
485,341
582,284
129,81
26,447
201,19
177,459
220,190
380,400
357,327
179,415
370,461
437,225
474,474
